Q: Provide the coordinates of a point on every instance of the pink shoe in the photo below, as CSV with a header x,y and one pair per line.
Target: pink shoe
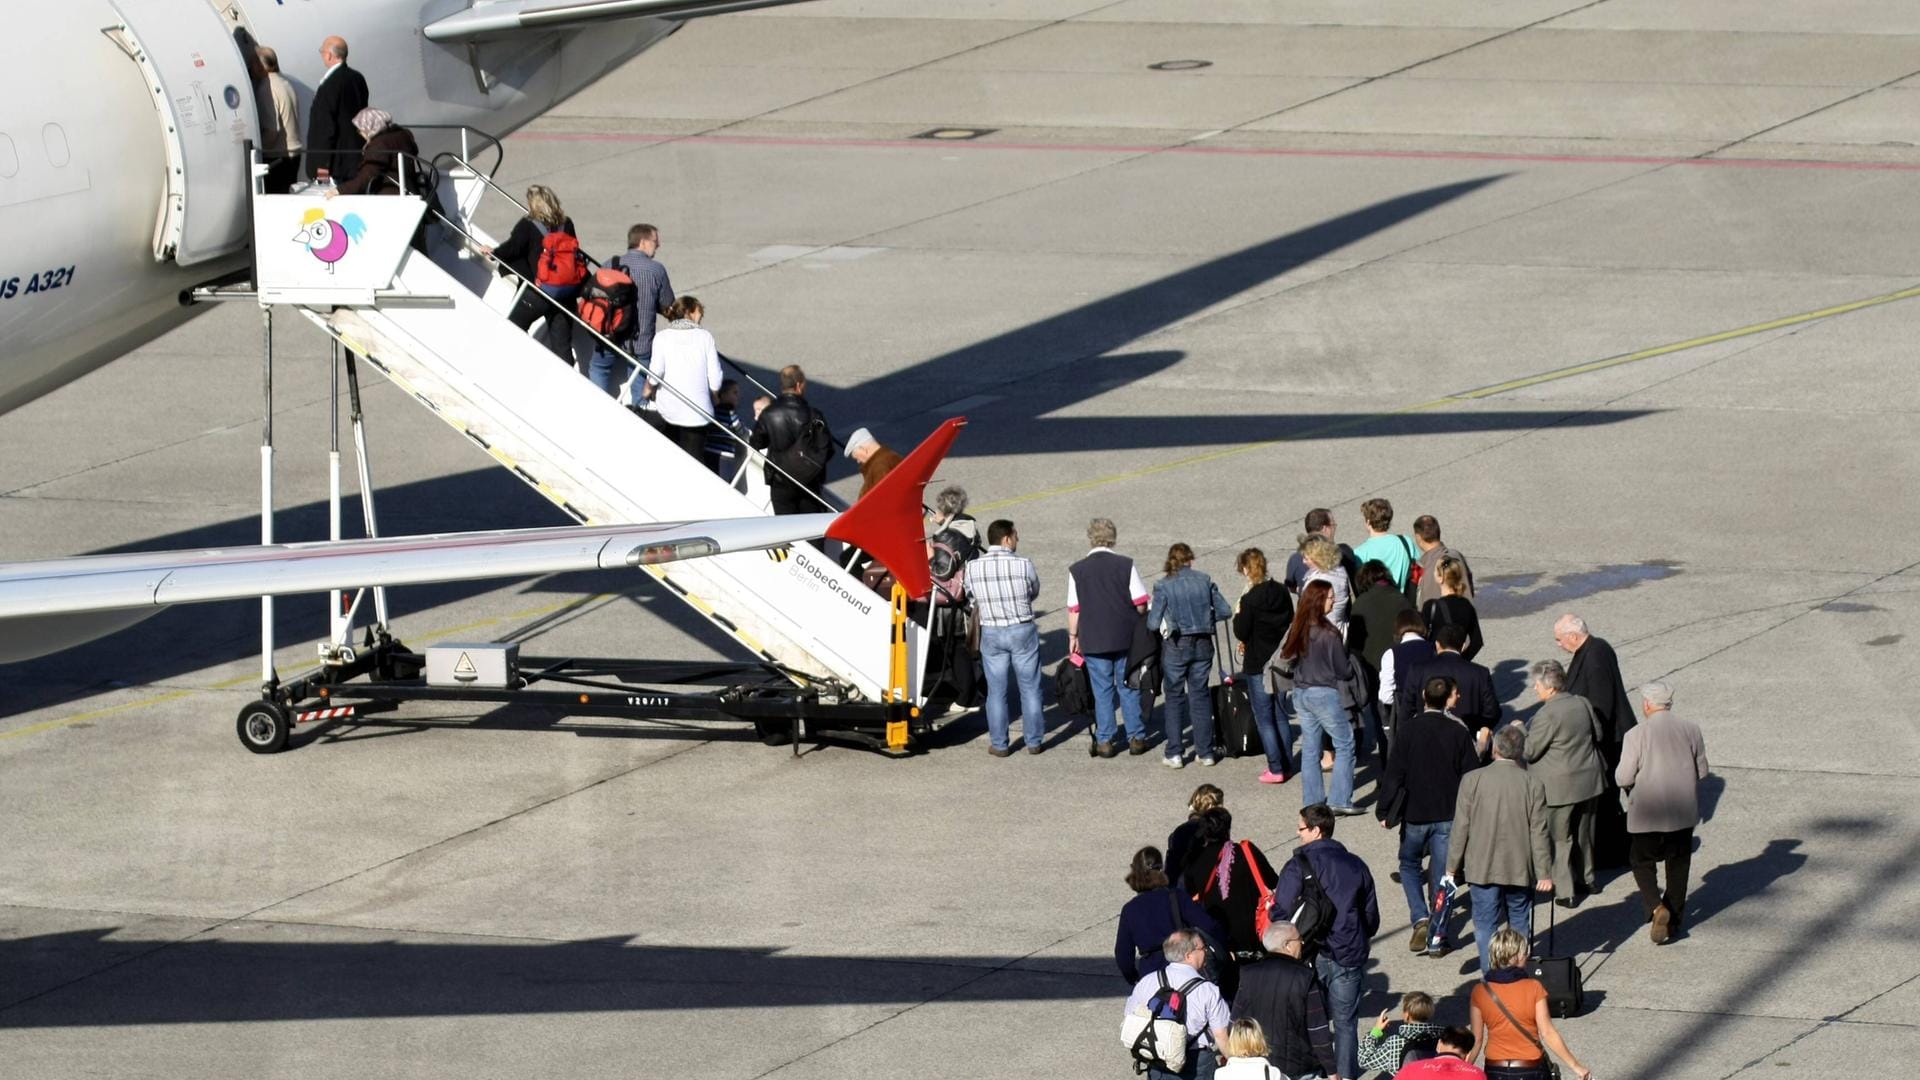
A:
x,y
1271,777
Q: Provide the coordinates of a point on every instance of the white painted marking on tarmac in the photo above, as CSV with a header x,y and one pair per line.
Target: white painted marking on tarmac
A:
x,y
1209,134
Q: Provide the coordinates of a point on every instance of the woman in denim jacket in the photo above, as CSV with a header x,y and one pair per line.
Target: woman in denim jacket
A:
x,y
1186,605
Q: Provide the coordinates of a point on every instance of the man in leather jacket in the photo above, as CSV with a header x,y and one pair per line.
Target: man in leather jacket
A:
x,y
779,429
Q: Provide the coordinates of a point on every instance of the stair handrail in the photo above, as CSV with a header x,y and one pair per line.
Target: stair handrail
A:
x,y
471,244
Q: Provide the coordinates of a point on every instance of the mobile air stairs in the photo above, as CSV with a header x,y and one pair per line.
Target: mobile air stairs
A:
x,y
831,656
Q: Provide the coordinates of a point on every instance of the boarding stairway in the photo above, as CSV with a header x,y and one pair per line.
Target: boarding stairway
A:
x,y
434,334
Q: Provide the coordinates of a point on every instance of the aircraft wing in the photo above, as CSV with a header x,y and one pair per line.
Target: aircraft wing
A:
x,y
508,17
887,523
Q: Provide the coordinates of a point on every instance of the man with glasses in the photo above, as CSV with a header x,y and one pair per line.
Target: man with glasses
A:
x,y
1342,958
1319,522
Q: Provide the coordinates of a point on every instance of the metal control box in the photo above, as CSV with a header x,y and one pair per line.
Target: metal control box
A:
x,y
487,664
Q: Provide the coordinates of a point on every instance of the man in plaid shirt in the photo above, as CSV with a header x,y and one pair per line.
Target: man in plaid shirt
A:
x,y
1003,585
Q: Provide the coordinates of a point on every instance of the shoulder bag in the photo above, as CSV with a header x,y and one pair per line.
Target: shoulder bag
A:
x,y
1553,1067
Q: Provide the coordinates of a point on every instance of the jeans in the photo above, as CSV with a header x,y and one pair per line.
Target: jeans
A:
x,y
1495,904
1201,1064
1270,717
1108,673
1343,1010
1321,716
1427,841
1018,647
1186,660
608,371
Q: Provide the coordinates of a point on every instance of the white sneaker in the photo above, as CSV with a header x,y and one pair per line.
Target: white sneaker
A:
x,y
1208,762
1173,762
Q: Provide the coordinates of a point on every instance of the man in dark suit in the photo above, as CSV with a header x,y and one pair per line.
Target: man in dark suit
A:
x,y
1479,706
332,142
1593,672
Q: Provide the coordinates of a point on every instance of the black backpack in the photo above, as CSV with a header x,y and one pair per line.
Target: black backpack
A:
x,y
806,460
1314,913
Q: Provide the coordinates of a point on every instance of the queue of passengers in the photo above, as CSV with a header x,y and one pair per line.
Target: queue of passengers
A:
x,y
1371,649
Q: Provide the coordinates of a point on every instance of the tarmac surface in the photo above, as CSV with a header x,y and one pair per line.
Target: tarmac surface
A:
x,y
1560,274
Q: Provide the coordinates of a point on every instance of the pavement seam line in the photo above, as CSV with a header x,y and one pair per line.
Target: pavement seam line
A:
x,y
251,915
1403,69
1820,1026
1462,397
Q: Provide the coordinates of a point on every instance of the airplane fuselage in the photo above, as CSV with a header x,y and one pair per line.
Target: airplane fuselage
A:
x,y
122,132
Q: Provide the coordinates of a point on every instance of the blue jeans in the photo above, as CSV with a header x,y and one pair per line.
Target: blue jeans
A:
x,y
1108,673
608,371
1017,647
1201,1065
1270,717
1343,1010
1186,660
1427,841
1495,904
1322,716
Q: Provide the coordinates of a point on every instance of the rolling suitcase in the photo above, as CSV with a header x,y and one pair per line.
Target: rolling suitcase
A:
x,y
1233,712
1560,975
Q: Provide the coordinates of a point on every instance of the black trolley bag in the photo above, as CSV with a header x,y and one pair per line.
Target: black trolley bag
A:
x,y
1233,709
1560,975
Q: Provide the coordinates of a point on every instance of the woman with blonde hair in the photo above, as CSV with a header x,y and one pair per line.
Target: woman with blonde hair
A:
x,y
1260,620
551,272
1323,564
1511,1024
1204,798
1186,605
1452,607
1246,1054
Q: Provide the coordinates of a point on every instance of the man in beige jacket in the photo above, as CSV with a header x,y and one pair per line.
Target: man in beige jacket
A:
x,y
1662,763
1498,844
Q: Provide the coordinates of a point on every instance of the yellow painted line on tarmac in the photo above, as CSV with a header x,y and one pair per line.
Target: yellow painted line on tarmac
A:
x,y
1554,375
292,654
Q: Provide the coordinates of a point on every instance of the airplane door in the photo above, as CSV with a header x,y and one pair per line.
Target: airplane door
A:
x,y
203,100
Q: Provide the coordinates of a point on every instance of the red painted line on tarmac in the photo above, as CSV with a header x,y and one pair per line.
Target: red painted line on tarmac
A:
x,y
1229,151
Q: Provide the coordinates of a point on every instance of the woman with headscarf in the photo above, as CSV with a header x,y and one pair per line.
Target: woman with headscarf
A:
x,y
1232,880
390,148
389,160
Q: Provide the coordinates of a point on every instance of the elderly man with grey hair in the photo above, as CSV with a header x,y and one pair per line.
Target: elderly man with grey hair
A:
x,y
1563,752
1662,763
1283,995
1498,845
1593,672
1207,1014
1105,598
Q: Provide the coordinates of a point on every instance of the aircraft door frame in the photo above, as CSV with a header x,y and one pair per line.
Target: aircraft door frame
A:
x,y
203,99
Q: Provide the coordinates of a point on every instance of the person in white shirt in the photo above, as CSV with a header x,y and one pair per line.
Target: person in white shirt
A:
x,y
1207,1014
684,375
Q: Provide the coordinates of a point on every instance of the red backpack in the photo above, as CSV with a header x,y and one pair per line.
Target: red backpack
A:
x,y
607,302
561,262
